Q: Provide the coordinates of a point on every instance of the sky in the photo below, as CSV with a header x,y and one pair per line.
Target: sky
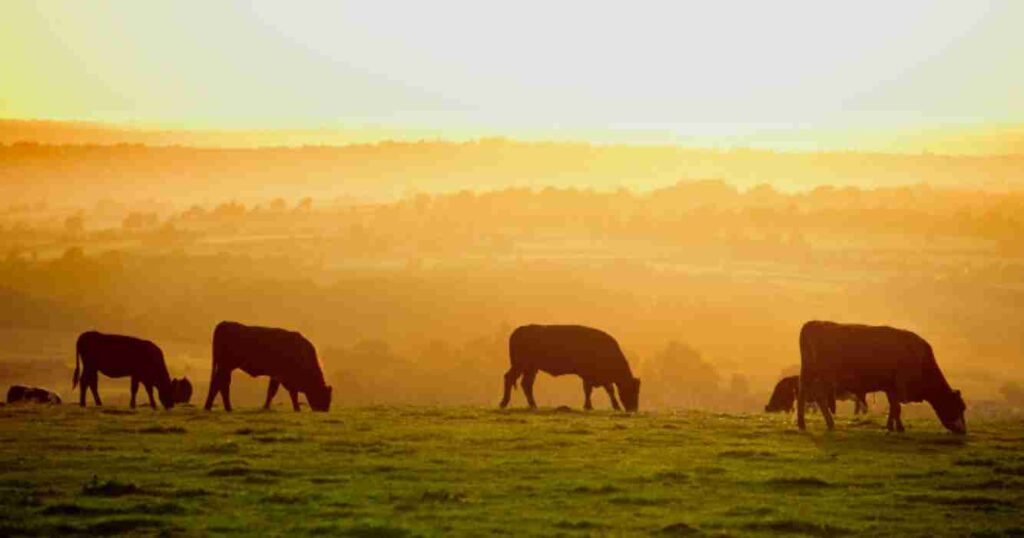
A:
x,y
681,70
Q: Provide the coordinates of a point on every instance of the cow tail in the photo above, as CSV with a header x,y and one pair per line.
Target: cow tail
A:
x,y
78,360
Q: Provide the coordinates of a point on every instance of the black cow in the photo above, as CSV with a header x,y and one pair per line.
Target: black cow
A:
x,y
121,356
784,397
22,394
181,390
286,356
862,359
570,349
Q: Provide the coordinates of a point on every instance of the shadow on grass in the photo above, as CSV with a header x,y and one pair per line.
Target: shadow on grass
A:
x,y
974,502
797,483
748,454
679,529
361,530
109,488
796,527
162,429
73,509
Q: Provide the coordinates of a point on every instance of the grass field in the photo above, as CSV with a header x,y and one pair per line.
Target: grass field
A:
x,y
389,471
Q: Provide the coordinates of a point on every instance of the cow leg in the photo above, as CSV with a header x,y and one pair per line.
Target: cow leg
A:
x,y
611,396
83,387
271,392
135,388
801,403
219,381
587,388
149,392
894,413
823,406
510,381
94,385
225,389
860,404
295,399
211,395
528,379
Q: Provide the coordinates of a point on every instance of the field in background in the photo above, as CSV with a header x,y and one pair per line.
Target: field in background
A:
x,y
402,471
704,285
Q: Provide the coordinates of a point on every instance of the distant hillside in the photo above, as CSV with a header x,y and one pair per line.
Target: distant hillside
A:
x,y
79,174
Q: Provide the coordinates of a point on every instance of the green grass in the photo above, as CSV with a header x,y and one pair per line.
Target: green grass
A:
x,y
409,471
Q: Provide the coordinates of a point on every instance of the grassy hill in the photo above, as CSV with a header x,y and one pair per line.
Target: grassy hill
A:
x,y
397,471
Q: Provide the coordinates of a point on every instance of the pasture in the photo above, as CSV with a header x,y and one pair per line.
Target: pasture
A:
x,y
407,471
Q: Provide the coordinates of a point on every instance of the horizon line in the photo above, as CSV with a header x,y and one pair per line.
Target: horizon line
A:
x,y
794,139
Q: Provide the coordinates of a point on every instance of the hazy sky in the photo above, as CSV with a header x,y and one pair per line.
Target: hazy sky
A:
x,y
685,67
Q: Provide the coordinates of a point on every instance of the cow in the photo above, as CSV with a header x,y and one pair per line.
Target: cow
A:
x,y
570,349
864,358
22,394
121,356
286,356
784,397
181,390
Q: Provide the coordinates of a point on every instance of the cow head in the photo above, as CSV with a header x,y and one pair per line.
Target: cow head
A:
x,y
950,408
629,392
319,398
166,395
181,390
782,397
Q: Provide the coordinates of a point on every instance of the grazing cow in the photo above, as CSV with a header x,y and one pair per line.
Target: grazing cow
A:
x,y
22,394
861,359
785,394
570,349
287,357
121,356
181,390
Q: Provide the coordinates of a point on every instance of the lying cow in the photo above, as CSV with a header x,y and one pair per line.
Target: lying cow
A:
x,y
121,356
287,357
861,359
785,394
570,349
22,394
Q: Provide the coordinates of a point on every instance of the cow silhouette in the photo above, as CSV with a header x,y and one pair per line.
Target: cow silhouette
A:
x,y
784,397
23,394
864,358
181,390
570,349
286,356
117,356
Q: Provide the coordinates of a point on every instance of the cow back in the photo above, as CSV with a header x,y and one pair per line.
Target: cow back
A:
x,y
569,349
284,355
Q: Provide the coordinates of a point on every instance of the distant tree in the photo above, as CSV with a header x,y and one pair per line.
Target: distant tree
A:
x,y
305,205
682,377
278,205
75,224
229,209
137,220
1013,393
72,254
194,212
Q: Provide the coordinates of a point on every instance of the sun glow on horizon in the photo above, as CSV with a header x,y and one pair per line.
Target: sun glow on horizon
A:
x,y
778,75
